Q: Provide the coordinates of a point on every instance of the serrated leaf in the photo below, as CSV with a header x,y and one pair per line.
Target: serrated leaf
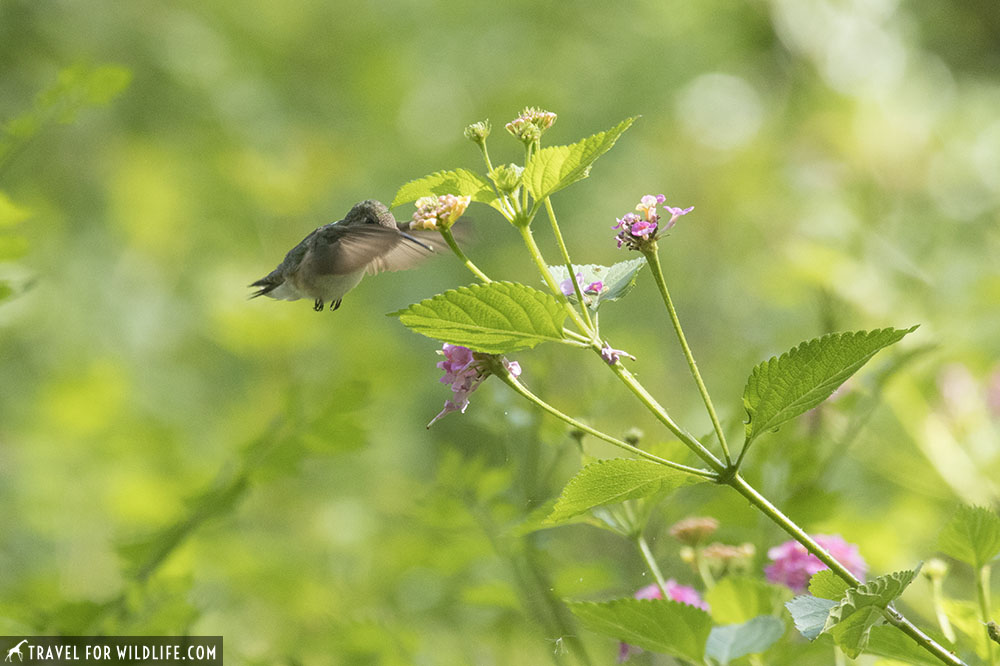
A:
x,y
972,536
553,168
733,641
494,318
460,182
851,620
615,480
888,641
783,387
810,614
652,624
738,599
828,585
617,279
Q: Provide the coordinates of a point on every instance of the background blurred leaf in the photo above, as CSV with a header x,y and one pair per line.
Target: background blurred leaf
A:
x,y
739,599
495,318
732,641
972,536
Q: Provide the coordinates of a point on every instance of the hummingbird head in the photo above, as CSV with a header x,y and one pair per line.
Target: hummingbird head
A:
x,y
370,211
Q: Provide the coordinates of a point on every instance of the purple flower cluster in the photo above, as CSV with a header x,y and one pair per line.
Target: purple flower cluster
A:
x,y
634,231
792,565
676,592
465,371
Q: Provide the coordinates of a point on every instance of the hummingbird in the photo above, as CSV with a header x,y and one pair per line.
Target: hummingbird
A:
x,y
333,258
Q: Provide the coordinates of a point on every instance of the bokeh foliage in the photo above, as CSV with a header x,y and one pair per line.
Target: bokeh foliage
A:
x,y
175,459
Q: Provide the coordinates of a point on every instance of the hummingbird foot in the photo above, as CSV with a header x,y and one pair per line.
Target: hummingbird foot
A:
x,y
335,304
318,305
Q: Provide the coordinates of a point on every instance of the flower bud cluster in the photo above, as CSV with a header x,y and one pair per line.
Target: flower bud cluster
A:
x,y
529,126
437,213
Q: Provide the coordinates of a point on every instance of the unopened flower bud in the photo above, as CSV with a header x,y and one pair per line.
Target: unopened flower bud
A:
x,y
935,569
692,531
477,132
528,126
993,630
687,555
633,435
507,177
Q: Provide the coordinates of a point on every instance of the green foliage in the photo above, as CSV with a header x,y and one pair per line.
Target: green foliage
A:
x,y
733,641
618,279
460,182
888,641
739,599
810,614
76,88
827,585
848,621
494,318
615,480
652,624
551,169
972,536
784,387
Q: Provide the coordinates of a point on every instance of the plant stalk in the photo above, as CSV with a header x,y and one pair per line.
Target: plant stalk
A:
x,y
450,240
654,263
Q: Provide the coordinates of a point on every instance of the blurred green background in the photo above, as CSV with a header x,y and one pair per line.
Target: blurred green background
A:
x,y
175,458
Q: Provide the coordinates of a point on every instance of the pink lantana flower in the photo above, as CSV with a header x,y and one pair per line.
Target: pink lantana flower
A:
x,y
676,592
465,370
792,565
636,231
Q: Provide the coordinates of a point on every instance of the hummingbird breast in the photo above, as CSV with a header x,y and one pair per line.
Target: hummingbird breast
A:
x,y
326,286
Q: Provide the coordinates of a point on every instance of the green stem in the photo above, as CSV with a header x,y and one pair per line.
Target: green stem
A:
x,y
569,264
647,555
654,263
784,522
703,569
661,414
937,600
523,391
983,592
543,268
450,240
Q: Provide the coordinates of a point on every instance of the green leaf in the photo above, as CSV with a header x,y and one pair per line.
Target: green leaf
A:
x,y
784,387
737,599
736,640
810,614
851,620
615,480
828,585
888,641
652,624
972,536
617,279
553,168
460,182
494,318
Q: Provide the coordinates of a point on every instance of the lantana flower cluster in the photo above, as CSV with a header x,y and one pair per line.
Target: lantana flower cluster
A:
x,y
465,370
566,286
635,231
792,565
436,213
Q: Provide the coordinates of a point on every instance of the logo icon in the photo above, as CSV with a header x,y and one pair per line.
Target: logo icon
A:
x,y
16,650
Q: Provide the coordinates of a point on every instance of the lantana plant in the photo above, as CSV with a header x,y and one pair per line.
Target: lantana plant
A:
x,y
482,323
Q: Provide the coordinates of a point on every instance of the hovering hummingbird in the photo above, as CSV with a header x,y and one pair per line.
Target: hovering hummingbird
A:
x,y
331,260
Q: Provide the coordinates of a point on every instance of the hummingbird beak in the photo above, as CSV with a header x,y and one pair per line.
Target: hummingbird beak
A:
x,y
420,243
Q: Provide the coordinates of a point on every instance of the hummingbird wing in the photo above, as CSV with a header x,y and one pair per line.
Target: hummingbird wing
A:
x,y
342,249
